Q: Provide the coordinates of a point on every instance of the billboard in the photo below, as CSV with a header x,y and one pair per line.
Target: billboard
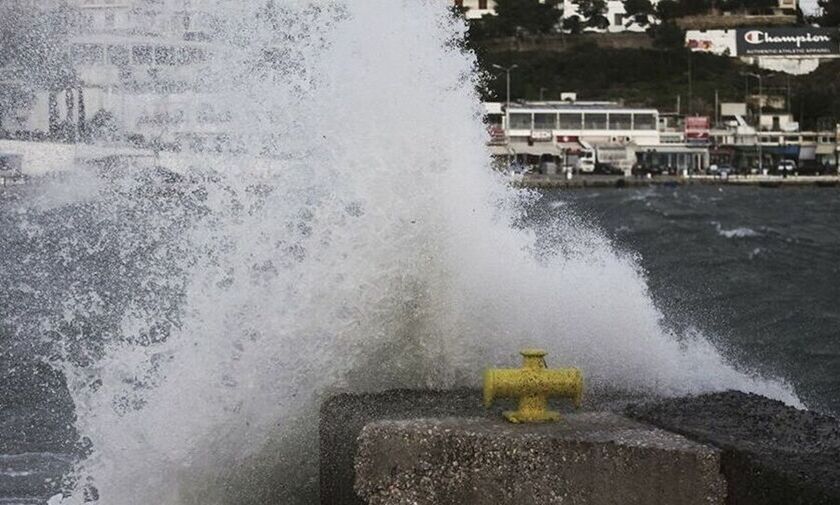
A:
x,y
796,41
697,129
720,42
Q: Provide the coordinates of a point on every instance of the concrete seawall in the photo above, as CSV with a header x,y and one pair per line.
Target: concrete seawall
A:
x,y
588,458
444,447
608,181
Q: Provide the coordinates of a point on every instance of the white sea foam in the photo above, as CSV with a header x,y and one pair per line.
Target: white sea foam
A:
x,y
381,251
740,232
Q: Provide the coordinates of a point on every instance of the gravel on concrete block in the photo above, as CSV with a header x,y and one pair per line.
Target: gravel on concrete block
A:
x,y
593,458
772,454
344,415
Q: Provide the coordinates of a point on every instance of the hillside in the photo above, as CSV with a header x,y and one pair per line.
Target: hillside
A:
x,y
655,77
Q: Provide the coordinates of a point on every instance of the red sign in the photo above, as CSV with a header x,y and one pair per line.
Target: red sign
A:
x,y
497,134
697,129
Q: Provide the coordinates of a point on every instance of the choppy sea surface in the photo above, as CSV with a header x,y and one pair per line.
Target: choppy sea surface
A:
x,y
756,270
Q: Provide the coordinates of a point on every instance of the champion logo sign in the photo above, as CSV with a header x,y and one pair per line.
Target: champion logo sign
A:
x,y
760,37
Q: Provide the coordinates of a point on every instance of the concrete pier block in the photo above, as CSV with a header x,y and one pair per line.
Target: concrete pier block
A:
x,y
593,458
771,454
345,415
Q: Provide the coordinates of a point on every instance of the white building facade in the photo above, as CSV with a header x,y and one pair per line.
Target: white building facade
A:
x,y
573,131
135,62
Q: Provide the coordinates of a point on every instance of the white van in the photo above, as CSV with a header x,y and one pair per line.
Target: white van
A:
x,y
586,162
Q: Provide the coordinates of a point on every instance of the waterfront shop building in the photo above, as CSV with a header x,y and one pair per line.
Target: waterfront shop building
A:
x,y
606,137
567,132
750,142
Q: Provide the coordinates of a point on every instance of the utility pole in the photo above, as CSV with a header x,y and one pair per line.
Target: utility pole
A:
x,y
507,71
690,107
789,105
758,124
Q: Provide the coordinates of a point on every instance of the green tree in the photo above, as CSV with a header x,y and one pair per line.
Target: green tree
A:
x,y
830,13
525,17
593,13
640,11
573,25
669,10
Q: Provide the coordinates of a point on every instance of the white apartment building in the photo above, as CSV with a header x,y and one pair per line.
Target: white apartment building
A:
x,y
135,60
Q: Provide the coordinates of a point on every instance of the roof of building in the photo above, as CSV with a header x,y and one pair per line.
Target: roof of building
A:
x,y
576,107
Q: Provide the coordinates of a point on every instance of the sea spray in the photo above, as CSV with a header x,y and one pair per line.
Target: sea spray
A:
x,y
352,236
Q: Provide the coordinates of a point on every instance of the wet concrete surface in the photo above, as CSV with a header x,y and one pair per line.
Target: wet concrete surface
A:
x,y
343,416
593,458
771,453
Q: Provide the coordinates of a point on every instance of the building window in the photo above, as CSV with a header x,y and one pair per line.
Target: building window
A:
x,y
620,121
618,20
118,55
519,121
482,4
190,56
570,121
142,55
544,121
644,122
595,121
109,20
87,54
459,3
165,55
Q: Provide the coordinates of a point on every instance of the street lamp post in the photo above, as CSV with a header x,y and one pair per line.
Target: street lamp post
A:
x,y
760,114
507,71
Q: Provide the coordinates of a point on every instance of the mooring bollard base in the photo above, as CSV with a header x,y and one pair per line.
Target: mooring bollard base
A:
x,y
591,458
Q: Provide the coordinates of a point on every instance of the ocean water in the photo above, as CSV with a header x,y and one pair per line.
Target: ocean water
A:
x,y
168,339
754,269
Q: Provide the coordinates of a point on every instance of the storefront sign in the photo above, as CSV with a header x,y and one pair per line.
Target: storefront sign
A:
x,y
697,129
540,136
788,41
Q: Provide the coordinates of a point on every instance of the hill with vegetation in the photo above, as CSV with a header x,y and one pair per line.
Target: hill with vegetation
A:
x,y
660,73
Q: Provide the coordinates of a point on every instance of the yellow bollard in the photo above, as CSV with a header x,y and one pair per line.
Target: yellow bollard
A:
x,y
533,384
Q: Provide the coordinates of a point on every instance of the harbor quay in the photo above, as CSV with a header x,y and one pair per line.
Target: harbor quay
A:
x,y
585,137
583,181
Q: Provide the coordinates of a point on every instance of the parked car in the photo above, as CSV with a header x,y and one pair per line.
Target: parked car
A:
x,y
586,164
641,169
786,167
608,169
721,169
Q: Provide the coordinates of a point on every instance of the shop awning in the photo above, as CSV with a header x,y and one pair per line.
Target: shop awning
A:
x,y
538,149
824,149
